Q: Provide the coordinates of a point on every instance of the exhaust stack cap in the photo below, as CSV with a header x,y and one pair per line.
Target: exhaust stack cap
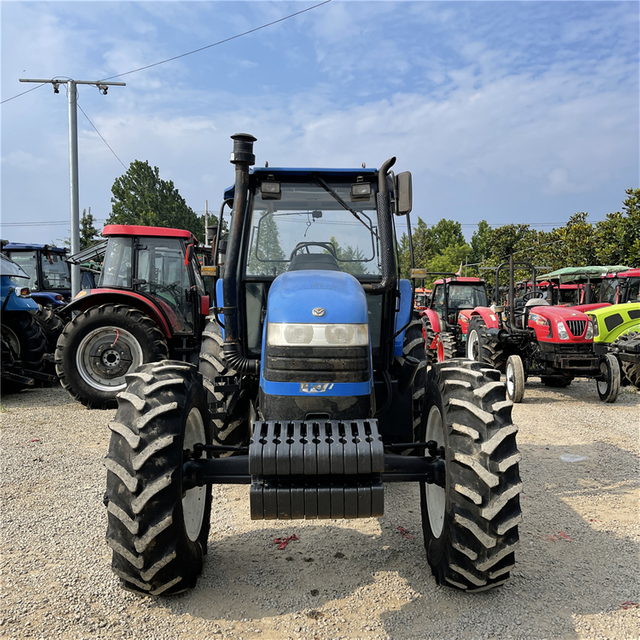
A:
x,y
243,149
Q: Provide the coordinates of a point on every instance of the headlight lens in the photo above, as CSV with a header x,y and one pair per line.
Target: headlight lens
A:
x,y
562,331
282,334
589,334
596,330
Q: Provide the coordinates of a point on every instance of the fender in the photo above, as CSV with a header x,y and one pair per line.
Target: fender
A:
x,y
88,298
434,319
464,317
490,317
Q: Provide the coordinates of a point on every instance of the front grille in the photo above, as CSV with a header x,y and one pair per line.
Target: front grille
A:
x,y
317,364
576,327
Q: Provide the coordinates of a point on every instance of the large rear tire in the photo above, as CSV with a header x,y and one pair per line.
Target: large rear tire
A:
x,y
471,525
446,349
231,424
51,325
429,335
481,348
157,531
100,346
23,347
608,383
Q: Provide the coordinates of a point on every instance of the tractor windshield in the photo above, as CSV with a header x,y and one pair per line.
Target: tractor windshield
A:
x,y
310,218
55,271
28,262
467,296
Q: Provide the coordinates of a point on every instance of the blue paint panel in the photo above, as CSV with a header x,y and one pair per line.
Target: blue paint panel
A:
x,y
336,389
219,302
403,314
293,296
14,303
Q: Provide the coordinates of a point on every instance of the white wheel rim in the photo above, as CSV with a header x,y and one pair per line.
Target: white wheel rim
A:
x,y
103,337
194,500
436,496
511,380
603,385
472,343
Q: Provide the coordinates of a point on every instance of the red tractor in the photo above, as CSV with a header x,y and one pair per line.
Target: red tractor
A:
x,y
150,304
446,318
531,337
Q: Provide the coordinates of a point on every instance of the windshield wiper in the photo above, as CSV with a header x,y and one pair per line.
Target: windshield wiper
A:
x,y
340,201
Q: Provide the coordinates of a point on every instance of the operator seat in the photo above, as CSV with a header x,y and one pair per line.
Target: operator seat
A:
x,y
306,261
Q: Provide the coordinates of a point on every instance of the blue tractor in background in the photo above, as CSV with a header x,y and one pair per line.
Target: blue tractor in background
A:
x,y
313,388
23,342
49,283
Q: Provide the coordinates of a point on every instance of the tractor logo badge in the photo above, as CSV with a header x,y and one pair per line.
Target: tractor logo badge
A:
x,y
307,387
318,312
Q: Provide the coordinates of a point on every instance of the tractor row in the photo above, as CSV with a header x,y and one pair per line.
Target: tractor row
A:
x,y
301,370
532,333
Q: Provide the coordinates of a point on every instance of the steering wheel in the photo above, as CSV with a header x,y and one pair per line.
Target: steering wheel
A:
x,y
305,245
533,294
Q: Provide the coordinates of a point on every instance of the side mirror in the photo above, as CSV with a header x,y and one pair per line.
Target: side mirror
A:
x,y
404,193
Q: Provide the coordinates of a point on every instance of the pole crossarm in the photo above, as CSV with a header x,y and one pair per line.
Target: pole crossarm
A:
x,y
102,86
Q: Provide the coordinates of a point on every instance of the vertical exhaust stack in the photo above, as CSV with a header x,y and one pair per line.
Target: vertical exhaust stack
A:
x,y
243,158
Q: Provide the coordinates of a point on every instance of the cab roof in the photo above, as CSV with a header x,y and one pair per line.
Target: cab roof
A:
x,y
283,173
139,230
461,280
26,246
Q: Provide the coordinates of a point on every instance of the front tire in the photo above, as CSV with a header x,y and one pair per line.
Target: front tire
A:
x,y
471,525
514,374
608,383
231,423
100,346
481,348
23,347
157,531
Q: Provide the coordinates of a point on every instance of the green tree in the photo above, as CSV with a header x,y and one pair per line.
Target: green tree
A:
x,y
141,197
88,233
480,242
617,237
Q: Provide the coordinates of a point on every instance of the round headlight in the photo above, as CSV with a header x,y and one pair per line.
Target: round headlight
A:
x,y
339,334
298,333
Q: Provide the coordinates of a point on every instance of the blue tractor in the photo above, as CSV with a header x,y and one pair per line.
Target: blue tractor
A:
x,y
313,388
23,341
49,283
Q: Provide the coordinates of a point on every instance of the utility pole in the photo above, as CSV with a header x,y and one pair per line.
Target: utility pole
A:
x,y
73,160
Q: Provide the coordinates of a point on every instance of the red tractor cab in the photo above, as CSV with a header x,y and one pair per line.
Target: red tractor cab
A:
x,y
150,304
445,321
620,287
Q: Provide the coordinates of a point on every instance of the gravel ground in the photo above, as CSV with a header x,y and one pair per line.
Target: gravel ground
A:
x,y
577,572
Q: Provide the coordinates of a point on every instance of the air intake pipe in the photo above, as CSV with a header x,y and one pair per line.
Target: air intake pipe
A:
x,y
387,245
242,157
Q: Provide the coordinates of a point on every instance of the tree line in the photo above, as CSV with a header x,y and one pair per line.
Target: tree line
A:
x,y
443,248
141,197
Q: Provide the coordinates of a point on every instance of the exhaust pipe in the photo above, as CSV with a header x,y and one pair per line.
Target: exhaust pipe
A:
x,y
243,158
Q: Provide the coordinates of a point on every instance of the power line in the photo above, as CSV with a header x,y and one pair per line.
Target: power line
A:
x,y
215,44
24,93
101,136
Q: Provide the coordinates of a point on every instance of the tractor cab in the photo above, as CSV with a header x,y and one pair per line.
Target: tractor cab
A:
x,y
621,287
160,265
452,295
49,278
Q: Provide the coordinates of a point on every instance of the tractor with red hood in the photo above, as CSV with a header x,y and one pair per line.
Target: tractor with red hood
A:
x,y
530,337
150,304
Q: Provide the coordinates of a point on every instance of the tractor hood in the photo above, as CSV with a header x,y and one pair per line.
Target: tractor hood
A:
x,y
556,314
313,296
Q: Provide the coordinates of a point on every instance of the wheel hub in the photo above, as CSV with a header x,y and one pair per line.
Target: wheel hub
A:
x,y
112,361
